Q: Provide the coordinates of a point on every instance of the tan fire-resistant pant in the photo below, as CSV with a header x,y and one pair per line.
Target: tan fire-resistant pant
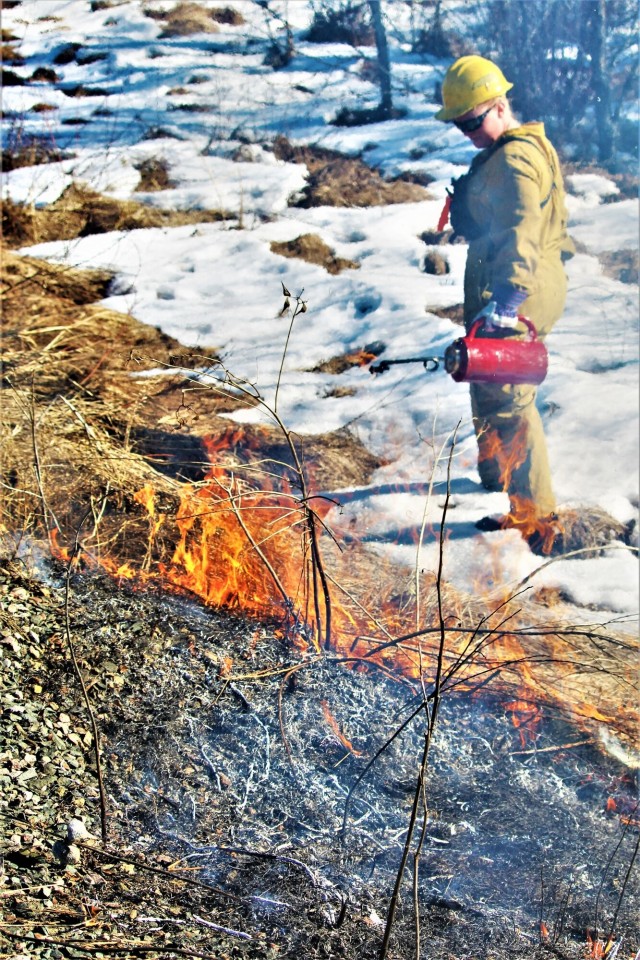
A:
x,y
510,411
509,415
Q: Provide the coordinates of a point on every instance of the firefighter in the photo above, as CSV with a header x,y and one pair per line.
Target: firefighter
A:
x,y
510,207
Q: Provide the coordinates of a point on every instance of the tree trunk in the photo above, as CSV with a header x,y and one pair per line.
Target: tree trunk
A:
x,y
384,66
600,84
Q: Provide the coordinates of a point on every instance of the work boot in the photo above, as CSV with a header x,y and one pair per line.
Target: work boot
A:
x,y
492,524
547,540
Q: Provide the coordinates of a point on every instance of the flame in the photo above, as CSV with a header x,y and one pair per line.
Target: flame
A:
x,y
333,723
526,718
360,358
508,455
524,514
597,949
251,550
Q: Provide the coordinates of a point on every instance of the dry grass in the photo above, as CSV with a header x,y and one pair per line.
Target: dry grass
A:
x,y
79,212
312,249
592,528
227,15
622,265
9,54
185,19
26,150
154,175
81,432
434,263
339,181
454,313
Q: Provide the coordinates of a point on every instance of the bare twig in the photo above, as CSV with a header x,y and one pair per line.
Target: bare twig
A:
x,y
623,889
432,714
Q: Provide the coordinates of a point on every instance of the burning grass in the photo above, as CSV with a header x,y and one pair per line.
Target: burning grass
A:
x,y
238,745
144,475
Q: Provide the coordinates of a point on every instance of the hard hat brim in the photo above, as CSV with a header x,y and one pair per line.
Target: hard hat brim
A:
x,y
446,116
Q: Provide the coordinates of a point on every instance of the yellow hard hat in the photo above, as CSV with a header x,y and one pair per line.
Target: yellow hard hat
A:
x,y
468,82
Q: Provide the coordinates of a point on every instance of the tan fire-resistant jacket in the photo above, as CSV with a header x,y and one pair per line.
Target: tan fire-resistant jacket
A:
x,y
516,197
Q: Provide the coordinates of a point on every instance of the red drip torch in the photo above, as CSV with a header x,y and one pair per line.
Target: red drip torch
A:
x,y
474,359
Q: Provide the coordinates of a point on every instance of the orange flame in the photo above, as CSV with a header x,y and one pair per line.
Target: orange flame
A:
x,y
360,358
248,550
524,515
597,949
508,455
333,723
526,718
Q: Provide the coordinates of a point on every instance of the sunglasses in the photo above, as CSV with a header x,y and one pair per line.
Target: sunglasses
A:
x,y
473,123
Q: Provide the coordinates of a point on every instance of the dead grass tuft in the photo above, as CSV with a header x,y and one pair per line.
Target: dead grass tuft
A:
x,y
312,249
454,313
43,108
80,212
622,265
339,181
349,182
186,19
434,263
227,15
8,54
29,150
26,278
154,175
592,528
441,238
347,361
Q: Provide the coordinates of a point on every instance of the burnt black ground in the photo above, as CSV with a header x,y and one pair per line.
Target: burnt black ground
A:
x,y
221,766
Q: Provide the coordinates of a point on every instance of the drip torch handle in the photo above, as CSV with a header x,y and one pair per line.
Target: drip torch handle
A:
x,y
481,322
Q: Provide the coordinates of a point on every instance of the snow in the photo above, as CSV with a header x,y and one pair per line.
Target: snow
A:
x,y
215,285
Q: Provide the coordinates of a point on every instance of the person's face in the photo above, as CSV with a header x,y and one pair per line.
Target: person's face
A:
x,y
490,129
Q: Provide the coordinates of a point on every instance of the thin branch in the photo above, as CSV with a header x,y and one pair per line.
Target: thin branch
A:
x,y
432,715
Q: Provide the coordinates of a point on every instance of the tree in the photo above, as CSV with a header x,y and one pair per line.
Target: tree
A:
x,y
572,62
384,65
600,86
